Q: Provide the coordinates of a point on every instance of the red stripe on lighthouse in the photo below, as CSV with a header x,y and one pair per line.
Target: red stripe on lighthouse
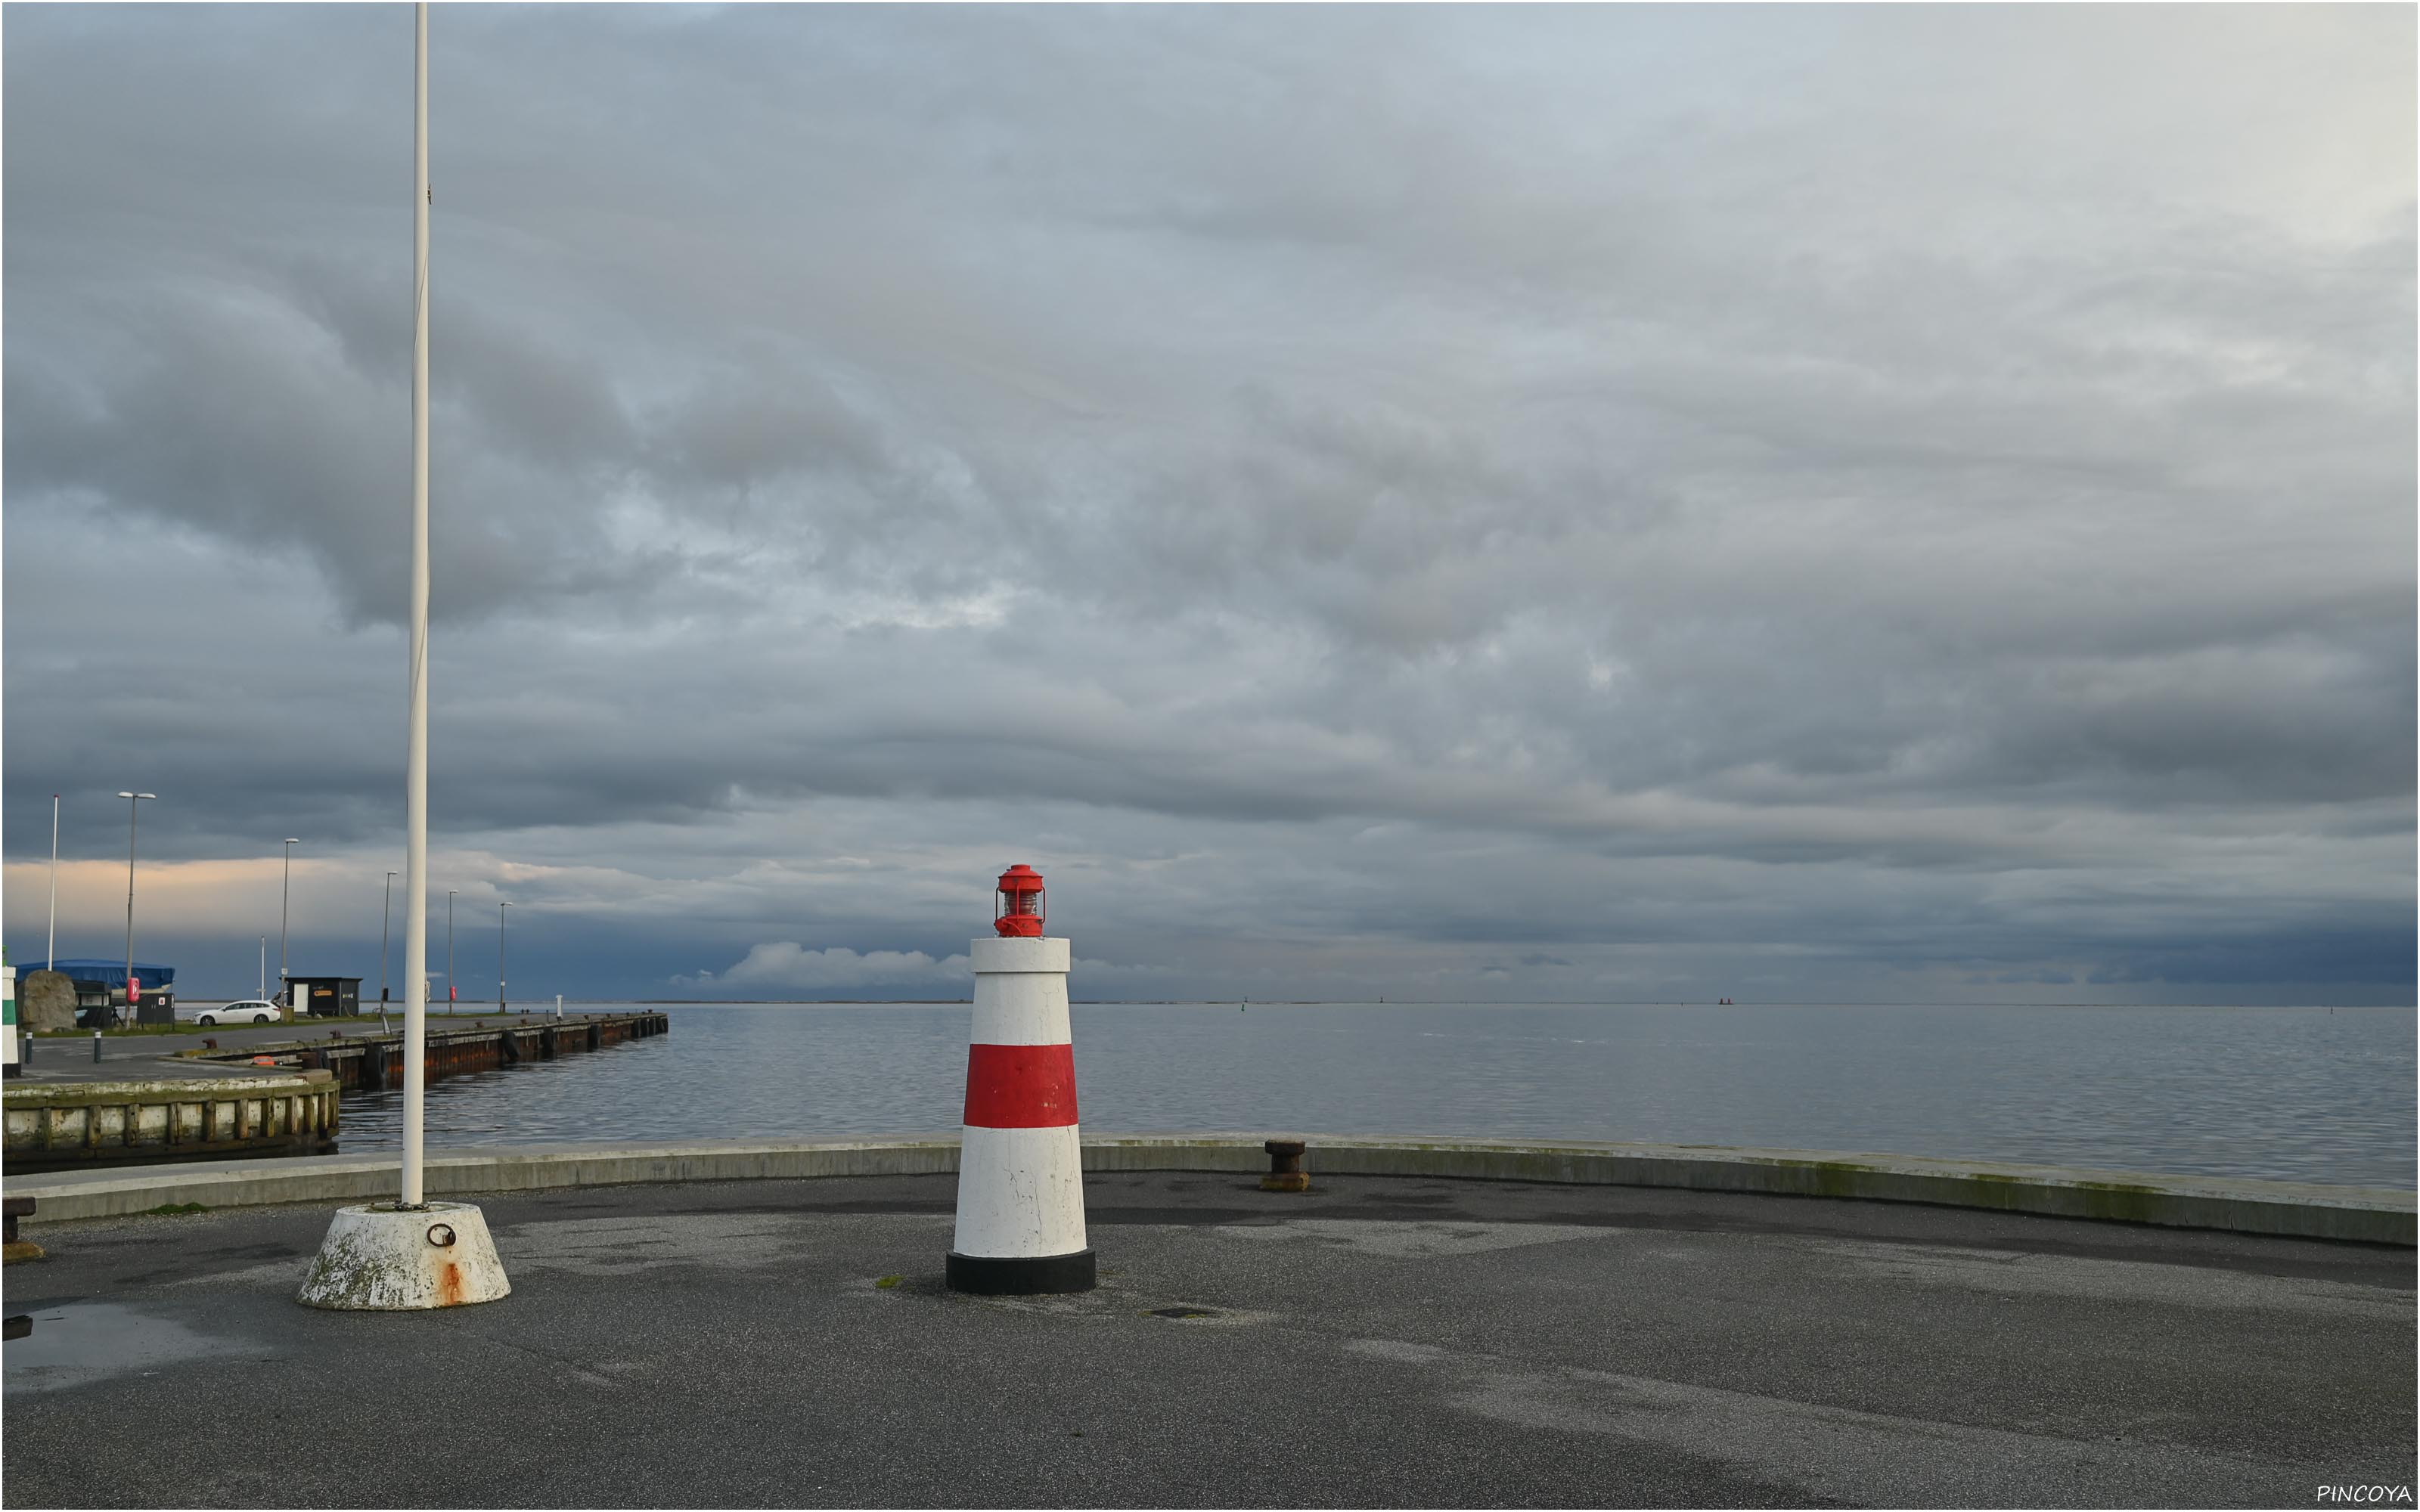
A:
x,y
1020,1086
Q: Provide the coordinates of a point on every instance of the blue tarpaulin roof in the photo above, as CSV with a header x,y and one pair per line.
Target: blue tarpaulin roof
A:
x,y
108,973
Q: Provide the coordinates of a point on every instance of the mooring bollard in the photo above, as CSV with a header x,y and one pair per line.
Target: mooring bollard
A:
x,y
12,1249
1285,1167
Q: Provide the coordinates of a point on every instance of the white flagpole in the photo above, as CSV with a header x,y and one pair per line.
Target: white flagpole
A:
x,y
50,953
416,781
393,1257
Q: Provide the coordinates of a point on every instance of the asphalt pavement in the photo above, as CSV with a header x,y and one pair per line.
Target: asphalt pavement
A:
x,y
1375,1342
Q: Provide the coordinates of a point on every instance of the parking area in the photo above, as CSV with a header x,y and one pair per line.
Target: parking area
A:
x,y
1375,1342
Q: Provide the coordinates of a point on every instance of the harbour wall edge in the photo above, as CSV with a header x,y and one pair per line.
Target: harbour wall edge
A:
x,y
2372,1215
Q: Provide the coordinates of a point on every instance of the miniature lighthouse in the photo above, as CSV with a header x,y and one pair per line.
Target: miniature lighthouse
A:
x,y
8,1066
1020,1173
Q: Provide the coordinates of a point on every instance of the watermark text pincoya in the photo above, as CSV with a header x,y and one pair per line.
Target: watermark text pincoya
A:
x,y
2367,1495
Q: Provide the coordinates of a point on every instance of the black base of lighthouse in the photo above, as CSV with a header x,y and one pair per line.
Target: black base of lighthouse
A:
x,y
1021,1276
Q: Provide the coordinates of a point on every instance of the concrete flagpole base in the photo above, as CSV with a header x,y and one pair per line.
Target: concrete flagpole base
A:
x,y
379,1258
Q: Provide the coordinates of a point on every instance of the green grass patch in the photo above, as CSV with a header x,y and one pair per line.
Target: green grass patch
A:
x,y
887,1282
170,1210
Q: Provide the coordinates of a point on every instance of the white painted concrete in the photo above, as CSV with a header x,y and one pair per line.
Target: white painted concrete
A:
x,y
381,1258
1021,1008
994,955
1021,1193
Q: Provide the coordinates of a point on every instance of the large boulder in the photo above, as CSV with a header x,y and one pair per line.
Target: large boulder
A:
x,y
46,1000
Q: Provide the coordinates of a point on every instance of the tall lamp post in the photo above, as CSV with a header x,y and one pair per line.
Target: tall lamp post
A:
x,y
451,995
51,953
501,906
283,895
386,912
133,806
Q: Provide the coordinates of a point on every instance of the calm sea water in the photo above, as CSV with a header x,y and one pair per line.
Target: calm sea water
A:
x,y
2290,1094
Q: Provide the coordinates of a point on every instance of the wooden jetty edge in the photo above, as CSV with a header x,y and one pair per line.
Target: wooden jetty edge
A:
x,y
276,1098
374,1062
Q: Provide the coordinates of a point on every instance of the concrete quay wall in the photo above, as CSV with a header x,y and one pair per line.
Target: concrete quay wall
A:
x,y
2361,1214
137,1122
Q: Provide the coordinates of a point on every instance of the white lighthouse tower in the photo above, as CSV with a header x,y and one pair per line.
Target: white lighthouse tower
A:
x,y
1020,1172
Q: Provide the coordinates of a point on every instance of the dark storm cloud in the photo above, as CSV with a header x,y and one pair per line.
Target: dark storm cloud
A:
x,y
1711,496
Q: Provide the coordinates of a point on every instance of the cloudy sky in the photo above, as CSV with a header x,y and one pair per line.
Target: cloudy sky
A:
x,y
1464,503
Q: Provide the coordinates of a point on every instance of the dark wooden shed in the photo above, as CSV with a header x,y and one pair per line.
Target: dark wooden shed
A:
x,y
327,996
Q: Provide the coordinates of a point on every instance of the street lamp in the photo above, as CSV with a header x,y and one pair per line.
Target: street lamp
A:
x,y
50,954
386,911
133,806
501,906
285,893
451,995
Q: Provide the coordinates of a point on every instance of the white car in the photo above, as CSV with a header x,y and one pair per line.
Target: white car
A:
x,y
253,1011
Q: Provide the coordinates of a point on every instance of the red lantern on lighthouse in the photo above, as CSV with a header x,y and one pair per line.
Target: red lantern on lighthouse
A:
x,y
1022,904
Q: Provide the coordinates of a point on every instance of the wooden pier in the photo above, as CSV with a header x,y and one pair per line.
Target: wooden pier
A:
x,y
374,1062
278,1098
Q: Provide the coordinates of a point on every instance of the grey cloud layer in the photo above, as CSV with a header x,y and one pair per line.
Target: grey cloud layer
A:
x,y
1928,493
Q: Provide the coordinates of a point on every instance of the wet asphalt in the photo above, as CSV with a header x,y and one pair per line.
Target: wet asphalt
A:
x,y
1375,1342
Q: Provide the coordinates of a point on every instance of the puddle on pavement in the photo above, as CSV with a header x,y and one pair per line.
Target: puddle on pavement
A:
x,y
67,1344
